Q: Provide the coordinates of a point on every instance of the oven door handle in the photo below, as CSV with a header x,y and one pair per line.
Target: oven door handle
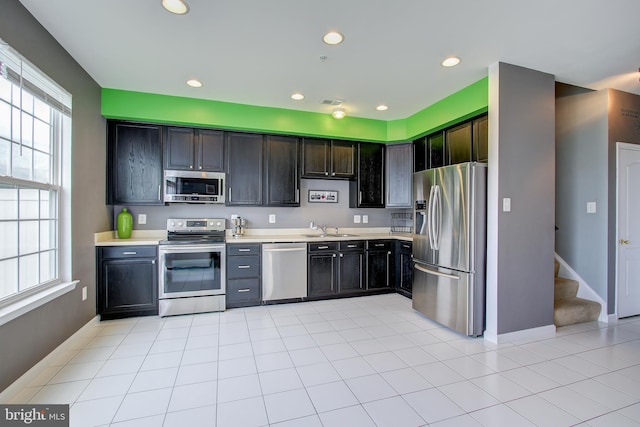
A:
x,y
177,249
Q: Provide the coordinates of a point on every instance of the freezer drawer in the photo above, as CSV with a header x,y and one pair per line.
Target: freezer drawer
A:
x,y
449,297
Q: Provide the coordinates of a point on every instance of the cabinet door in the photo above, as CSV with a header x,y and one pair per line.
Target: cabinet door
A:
x,y
351,271
316,155
378,269
343,156
368,189
179,148
399,175
321,274
210,150
405,266
481,139
127,286
134,165
435,150
458,143
420,160
244,169
282,183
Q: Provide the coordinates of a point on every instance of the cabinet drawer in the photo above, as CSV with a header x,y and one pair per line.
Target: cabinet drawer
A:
x,y
240,290
128,251
239,267
356,245
323,246
379,245
238,249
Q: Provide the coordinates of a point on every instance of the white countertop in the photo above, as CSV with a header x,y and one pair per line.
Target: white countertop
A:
x,y
279,235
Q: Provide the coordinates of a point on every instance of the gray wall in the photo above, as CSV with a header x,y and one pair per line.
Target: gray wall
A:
x,y
333,214
588,128
521,167
581,177
32,336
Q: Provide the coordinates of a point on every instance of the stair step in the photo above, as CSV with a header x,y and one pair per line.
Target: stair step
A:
x,y
569,311
565,288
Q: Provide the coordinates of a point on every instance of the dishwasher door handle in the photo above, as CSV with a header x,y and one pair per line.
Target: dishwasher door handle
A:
x,y
284,249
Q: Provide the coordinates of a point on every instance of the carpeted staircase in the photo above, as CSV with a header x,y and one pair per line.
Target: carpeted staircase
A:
x,y
568,308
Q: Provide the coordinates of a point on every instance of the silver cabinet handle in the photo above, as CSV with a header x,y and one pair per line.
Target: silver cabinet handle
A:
x,y
244,250
244,266
334,255
153,262
388,267
341,255
129,253
326,173
230,198
360,197
377,245
352,246
323,247
159,187
244,290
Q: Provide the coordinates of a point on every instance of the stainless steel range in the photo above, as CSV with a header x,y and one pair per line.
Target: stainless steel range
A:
x,y
192,266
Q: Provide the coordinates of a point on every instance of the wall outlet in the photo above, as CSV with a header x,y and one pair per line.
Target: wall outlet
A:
x,y
272,218
365,219
142,218
506,204
84,293
356,219
591,207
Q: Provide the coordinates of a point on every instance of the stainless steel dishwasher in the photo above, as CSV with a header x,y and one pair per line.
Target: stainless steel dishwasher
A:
x,y
284,271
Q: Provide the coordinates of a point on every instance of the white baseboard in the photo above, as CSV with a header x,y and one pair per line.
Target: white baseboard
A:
x,y
26,378
539,333
584,290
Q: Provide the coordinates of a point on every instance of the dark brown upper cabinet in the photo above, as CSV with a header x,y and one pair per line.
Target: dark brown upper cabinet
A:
x,y
194,149
481,139
326,158
458,144
134,164
282,174
244,168
368,190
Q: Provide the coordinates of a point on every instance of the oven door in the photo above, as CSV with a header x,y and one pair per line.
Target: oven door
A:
x,y
191,270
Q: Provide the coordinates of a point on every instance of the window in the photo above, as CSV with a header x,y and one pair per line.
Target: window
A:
x,y
35,128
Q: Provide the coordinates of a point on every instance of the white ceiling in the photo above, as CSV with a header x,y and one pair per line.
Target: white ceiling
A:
x,y
259,52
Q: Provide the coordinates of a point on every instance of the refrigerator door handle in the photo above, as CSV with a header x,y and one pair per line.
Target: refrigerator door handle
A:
x,y
435,273
437,223
430,218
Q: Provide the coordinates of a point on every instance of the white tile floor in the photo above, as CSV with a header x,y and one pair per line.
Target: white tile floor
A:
x,y
369,361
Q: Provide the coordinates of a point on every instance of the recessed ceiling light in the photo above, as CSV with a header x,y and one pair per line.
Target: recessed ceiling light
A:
x,y
338,113
178,7
333,37
297,97
194,83
382,107
451,61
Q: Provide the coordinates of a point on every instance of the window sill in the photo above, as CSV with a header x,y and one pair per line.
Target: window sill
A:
x,y
18,308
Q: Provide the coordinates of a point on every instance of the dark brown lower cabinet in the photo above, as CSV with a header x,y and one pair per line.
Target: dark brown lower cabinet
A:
x,y
380,264
127,281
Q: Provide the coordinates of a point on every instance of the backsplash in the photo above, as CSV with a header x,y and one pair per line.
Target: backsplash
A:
x,y
333,214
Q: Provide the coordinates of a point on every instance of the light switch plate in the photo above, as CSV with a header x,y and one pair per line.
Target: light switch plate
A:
x,y
356,219
142,218
272,218
591,207
365,219
506,204
84,293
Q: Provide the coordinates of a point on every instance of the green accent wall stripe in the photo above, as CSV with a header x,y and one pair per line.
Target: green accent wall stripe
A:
x,y
155,108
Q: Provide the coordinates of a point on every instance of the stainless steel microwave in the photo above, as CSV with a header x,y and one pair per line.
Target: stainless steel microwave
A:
x,y
193,187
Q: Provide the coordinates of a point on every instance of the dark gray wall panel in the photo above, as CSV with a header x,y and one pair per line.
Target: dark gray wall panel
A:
x,y
33,335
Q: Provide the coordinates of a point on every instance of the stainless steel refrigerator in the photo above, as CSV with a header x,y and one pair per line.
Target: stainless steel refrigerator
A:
x,y
449,245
